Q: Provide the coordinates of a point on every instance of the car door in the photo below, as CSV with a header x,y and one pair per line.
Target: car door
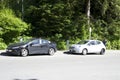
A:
x,y
44,46
98,46
35,46
92,47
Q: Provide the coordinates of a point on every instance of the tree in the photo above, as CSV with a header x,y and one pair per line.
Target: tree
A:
x,y
61,20
12,27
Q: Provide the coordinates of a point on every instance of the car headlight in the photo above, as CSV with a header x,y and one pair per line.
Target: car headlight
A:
x,y
71,47
16,47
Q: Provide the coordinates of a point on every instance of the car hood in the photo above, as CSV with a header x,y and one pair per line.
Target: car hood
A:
x,y
77,45
16,45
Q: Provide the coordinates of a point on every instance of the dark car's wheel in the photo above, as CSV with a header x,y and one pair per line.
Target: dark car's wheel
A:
x,y
102,51
84,52
51,51
24,52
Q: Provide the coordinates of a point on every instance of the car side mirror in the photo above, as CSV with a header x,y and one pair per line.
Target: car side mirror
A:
x,y
31,44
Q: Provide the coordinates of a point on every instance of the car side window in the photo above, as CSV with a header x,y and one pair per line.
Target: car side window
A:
x,y
92,42
35,42
44,41
98,42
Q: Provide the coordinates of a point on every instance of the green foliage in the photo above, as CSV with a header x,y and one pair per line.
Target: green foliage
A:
x,y
109,46
12,27
2,44
4,4
61,45
114,30
24,38
99,30
61,20
115,44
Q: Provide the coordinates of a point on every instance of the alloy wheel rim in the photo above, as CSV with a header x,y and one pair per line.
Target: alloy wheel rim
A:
x,y
51,51
24,52
84,52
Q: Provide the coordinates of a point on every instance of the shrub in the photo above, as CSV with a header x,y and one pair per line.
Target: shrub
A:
x,y
61,45
108,45
12,27
115,44
24,38
2,44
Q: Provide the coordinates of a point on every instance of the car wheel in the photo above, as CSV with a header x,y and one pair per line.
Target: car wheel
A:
x,y
51,51
84,52
102,51
24,52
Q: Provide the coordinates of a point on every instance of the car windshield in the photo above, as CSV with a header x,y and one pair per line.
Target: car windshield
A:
x,y
82,42
28,40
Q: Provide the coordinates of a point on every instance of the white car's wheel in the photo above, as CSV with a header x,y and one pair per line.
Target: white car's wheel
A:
x,y
102,51
51,51
24,52
84,52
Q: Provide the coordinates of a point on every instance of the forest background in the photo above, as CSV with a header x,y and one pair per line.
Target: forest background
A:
x,y
59,21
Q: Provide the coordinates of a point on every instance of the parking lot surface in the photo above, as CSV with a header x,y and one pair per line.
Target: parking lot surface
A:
x,y
61,66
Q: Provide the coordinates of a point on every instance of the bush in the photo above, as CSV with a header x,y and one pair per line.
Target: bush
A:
x,y
12,27
2,44
24,38
115,44
108,45
61,45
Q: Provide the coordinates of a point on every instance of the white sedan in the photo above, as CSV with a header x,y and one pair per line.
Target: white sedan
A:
x,y
88,46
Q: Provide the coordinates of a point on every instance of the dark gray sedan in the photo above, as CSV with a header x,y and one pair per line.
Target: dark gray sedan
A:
x,y
33,46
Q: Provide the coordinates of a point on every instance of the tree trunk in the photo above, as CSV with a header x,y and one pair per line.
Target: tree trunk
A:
x,y
88,17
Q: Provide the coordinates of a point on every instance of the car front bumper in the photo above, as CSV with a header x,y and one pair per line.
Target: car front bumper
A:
x,y
13,51
75,50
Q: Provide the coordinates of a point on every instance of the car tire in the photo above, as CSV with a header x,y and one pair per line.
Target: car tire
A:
x,y
24,52
102,51
51,51
84,51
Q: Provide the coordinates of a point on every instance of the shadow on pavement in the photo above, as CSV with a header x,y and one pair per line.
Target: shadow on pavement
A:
x,y
69,53
25,79
12,55
7,54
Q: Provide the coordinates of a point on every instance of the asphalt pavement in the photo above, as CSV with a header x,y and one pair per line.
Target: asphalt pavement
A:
x,y
61,66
